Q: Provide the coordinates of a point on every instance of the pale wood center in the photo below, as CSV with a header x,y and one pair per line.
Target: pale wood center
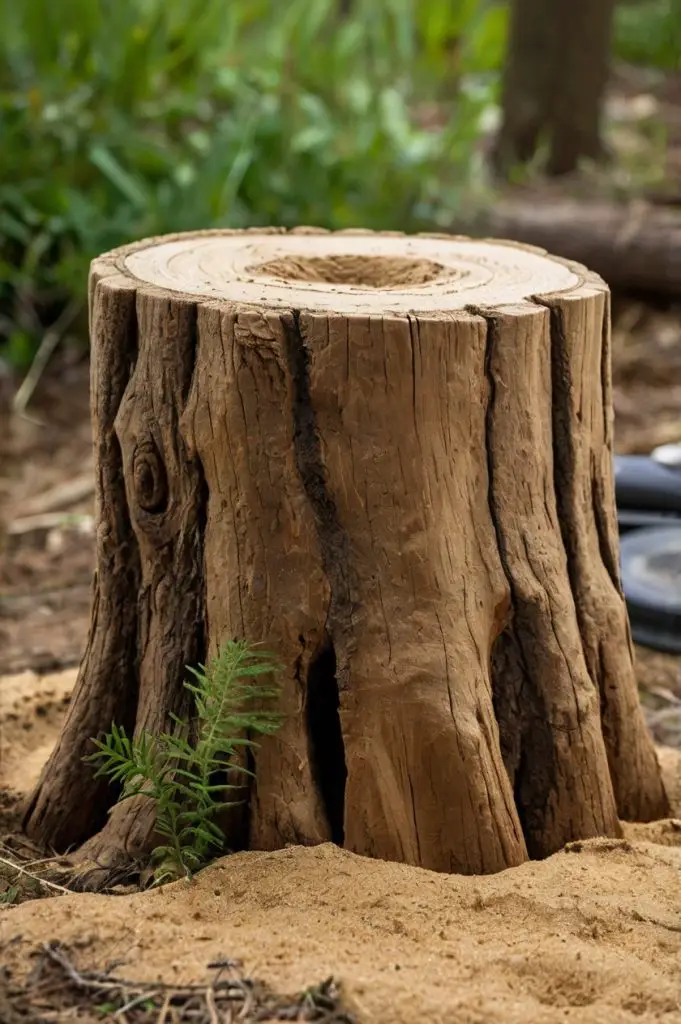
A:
x,y
348,272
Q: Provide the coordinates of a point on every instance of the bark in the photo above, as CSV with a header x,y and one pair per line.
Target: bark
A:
x,y
556,72
527,81
380,458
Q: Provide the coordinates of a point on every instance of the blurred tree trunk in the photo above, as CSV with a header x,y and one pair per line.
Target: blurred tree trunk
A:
x,y
555,77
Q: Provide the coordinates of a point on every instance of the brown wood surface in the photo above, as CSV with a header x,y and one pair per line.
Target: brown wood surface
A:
x,y
405,490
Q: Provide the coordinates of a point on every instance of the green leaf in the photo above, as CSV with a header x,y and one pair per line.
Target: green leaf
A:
x,y
127,184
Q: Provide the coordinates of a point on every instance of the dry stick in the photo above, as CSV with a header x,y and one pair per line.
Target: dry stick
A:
x,y
33,864
51,339
47,521
63,494
103,981
163,1012
211,1005
231,989
36,878
664,694
136,1000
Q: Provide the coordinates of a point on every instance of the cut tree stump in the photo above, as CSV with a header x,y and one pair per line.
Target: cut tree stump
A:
x,y
389,459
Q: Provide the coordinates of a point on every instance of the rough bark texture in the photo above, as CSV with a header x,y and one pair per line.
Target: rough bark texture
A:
x,y
634,247
555,77
414,509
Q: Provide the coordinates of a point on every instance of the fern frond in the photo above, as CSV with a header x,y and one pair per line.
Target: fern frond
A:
x,y
228,695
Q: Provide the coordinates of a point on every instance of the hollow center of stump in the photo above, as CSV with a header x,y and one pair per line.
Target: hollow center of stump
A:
x,y
356,271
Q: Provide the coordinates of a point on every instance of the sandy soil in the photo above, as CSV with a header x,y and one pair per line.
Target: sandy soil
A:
x,y
592,935
32,709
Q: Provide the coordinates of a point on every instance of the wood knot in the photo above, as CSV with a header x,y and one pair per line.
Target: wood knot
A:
x,y
150,479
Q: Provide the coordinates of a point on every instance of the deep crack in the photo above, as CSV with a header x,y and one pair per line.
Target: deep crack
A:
x,y
518,704
325,737
328,672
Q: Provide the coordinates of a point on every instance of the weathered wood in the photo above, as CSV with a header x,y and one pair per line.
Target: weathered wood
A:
x,y
106,688
383,458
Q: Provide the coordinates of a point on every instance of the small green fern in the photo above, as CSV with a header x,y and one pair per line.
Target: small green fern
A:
x,y
180,776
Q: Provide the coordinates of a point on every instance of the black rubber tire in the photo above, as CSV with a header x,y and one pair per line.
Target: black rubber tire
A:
x,y
651,579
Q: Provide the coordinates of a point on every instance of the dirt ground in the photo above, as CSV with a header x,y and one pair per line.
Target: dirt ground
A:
x,y
593,934
589,935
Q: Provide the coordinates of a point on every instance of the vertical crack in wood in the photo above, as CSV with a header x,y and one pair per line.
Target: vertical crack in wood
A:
x,y
200,635
507,676
604,504
518,705
604,530
329,670
585,504
325,737
564,462
563,444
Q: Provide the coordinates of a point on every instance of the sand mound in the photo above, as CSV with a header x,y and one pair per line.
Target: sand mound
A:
x,y
32,709
592,935
588,936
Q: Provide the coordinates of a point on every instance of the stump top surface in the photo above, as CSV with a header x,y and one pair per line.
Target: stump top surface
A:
x,y
347,272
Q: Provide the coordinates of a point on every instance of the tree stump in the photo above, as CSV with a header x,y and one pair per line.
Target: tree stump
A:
x,y
389,459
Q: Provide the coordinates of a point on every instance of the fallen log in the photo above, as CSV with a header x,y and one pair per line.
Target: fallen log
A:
x,y
634,247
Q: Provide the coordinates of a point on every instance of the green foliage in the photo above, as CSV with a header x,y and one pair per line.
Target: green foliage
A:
x,y
9,896
179,775
648,32
128,119
140,117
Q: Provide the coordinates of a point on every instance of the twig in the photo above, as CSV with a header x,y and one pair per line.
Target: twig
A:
x,y
103,981
53,952
48,521
664,693
51,339
163,1012
670,927
62,495
56,861
36,878
135,1001
208,1003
